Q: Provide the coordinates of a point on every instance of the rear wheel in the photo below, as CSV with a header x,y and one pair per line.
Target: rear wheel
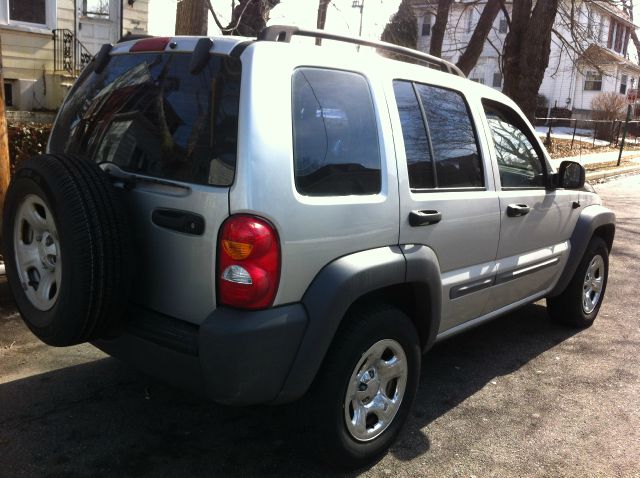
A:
x,y
580,302
366,387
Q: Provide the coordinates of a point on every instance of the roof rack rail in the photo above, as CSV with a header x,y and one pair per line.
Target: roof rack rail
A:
x,y
284,33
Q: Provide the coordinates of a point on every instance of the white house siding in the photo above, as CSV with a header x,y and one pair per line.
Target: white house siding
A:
x,y
28,51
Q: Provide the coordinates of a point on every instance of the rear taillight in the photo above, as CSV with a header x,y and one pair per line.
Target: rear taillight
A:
x,y
248,263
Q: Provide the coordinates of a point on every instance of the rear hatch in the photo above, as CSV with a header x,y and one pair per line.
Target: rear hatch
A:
x,y
171,137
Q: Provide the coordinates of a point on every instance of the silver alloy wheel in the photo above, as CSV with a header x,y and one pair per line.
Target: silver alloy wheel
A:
x,y
375,390
37,251
593,283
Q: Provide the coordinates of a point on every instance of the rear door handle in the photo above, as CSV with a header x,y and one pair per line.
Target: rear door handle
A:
x,y
424,218
515,210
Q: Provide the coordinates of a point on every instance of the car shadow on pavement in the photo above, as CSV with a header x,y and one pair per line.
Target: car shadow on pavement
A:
x,y
103,419
456,369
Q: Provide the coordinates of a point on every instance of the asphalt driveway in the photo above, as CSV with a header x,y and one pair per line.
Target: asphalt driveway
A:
x,y
520,396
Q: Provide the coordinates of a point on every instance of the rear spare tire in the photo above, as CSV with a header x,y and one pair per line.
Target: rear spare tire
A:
x,y
66,249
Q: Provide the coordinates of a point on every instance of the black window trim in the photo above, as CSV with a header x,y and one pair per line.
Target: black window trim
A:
x,y
521,125
474,127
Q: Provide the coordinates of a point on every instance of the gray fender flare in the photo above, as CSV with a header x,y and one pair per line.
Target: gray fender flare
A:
x,y
335,288
591,218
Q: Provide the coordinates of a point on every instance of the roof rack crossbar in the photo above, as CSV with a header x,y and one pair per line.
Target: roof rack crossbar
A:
x,y
284,33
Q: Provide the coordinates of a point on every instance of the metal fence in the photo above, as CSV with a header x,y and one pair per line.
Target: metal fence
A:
x,y
604,133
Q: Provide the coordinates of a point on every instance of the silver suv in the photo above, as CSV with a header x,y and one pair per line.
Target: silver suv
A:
x,y
263,219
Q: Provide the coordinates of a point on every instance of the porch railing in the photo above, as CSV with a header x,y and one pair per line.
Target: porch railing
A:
x,y
69,54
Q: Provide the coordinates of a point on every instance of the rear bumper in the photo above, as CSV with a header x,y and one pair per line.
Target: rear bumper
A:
x,y
235,357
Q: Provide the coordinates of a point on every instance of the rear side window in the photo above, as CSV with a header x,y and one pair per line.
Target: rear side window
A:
x,y
335,138
440,142
147,114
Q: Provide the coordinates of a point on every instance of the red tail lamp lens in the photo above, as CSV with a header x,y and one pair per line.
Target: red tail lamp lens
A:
x,y
150,44
248,263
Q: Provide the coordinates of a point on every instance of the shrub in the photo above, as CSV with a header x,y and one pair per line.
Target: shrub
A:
x,y
26,140
608,107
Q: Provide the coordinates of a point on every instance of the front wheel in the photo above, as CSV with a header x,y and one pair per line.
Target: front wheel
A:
x,y
580,302
366,387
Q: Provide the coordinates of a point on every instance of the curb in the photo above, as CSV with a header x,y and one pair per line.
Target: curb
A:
x,y
596,175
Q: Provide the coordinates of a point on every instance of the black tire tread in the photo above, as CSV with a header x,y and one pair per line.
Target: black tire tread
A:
x,y
97,227
566,308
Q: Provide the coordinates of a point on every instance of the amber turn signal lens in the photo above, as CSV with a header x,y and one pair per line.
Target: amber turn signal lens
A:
x,y
237,250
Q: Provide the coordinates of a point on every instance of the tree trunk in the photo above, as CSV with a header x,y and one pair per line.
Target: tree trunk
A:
x,y
526,51
191,17
439,27
469,58
249,17
323,5
4,144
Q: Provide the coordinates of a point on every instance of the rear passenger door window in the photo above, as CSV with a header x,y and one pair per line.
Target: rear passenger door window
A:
x,y
335,140
519,163
440,142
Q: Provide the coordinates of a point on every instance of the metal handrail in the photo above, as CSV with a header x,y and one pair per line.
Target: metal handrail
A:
x,y
69,54
283,33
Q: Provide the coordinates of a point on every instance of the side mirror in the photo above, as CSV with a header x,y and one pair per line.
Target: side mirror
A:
x,y
571,175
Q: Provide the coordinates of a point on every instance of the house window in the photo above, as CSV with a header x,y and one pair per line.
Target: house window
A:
x,y
470,21
497,80
623,84
502,28
96,8
426,25
8,93
593,81
28,11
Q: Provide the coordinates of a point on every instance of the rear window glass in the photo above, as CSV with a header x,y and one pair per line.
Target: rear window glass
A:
x,y
335,138
147,114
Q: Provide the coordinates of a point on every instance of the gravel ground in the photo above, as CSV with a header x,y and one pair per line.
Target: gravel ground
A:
x,y
520,396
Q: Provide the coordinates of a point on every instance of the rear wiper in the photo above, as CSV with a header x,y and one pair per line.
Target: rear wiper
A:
x,y
130,180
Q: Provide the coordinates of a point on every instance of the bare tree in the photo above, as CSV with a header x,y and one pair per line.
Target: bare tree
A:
x,y
470,56
4,143
402,28
526,51
191,17
248,17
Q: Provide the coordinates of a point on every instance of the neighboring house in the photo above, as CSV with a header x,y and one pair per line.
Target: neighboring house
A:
x,y
571,80
45,43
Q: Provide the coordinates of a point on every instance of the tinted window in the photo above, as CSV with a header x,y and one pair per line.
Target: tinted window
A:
x,y
453,139
147,114
335,139
414,133
518,162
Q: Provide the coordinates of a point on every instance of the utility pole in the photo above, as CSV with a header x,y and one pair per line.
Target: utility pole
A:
x,y
632,95
359,4
4,142
191,17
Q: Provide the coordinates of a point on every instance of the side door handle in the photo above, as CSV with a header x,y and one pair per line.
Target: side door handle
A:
x,y
424,217
515,210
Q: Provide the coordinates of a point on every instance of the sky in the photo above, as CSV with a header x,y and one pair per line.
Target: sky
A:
x,y
341,16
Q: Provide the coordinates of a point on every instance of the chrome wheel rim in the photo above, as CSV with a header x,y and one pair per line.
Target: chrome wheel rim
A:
x,y
593,284
376,389
37,252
